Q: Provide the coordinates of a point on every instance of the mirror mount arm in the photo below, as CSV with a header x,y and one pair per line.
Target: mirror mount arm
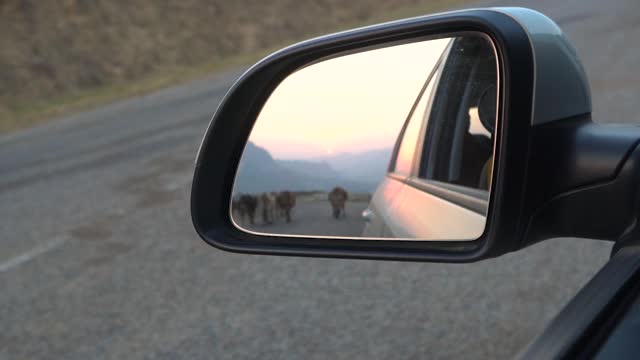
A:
x,y
583,181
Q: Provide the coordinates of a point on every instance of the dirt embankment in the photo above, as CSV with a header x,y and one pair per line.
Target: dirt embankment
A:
x,y
52,49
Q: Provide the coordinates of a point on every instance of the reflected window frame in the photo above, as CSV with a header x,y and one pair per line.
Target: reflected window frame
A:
x,y
426,93
471,198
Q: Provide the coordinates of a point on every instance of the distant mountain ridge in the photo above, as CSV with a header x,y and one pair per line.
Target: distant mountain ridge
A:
x,y
356,172
366,166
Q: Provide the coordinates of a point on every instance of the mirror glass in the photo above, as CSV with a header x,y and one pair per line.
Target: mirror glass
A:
x,y
394,142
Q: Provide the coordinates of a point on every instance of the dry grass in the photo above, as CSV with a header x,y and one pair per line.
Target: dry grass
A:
x,y
63,56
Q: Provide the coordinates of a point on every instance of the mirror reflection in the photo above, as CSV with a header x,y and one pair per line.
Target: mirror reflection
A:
x,y
394,142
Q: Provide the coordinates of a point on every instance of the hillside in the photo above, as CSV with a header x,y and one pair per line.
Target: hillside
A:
x,y
54,52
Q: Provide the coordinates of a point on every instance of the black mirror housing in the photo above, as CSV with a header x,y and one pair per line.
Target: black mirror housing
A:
x,y
536,138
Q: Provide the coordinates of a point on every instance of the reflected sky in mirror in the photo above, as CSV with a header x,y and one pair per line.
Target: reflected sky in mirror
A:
x,y
356,103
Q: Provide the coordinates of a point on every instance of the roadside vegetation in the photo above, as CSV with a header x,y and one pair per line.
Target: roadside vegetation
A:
x,y
63,56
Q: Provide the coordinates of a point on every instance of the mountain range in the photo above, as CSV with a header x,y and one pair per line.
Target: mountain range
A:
x,y
356,172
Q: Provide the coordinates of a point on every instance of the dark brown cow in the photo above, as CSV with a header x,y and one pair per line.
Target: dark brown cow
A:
x,y
245,206
337,197
285,201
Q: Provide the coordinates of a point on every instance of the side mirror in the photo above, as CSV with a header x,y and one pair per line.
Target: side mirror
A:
x,y
452,138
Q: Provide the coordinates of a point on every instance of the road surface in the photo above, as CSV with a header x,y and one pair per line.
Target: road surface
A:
x,y
99,259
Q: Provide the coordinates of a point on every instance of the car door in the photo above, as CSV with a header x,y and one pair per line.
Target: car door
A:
x,y
603,320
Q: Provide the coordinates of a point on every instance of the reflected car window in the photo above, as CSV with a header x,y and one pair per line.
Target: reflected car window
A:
x,y
460,152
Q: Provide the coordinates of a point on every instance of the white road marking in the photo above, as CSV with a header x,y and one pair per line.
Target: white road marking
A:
x,y
32,254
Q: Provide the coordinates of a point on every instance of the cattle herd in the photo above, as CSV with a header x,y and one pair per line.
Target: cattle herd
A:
x,y
271,206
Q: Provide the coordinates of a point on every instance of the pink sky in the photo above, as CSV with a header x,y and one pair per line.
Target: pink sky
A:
x,y
352,103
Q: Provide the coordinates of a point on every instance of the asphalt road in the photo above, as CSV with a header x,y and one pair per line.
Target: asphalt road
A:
x,y
99,259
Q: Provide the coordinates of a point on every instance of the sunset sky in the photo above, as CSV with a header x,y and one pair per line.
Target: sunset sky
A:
x,y
352,103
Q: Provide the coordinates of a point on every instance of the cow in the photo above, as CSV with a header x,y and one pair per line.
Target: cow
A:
x,y
245,206
285,201
268,207
337,197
